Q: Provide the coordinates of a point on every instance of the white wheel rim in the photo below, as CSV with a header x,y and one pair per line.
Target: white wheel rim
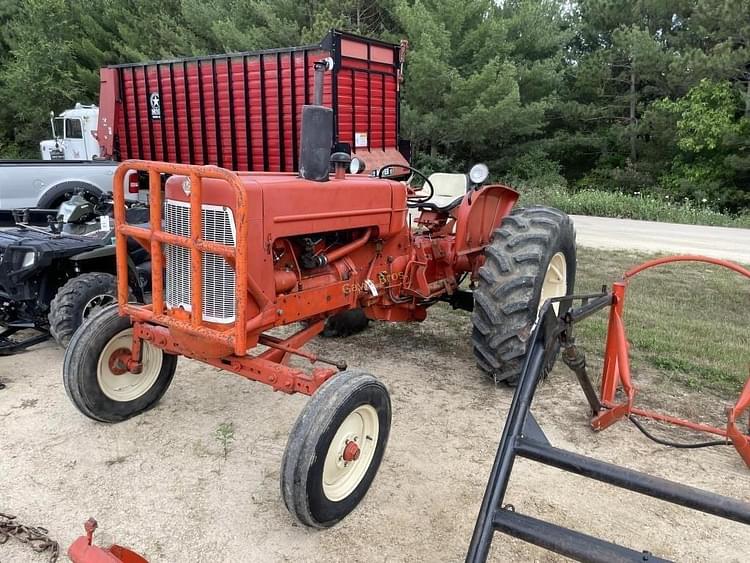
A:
x,y
341,477
555,282
128,386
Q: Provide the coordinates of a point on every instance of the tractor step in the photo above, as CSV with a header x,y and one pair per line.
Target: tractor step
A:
x,y
565,541
523,437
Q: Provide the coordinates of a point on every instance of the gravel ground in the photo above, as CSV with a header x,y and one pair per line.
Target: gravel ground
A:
x,y
160,484
651,236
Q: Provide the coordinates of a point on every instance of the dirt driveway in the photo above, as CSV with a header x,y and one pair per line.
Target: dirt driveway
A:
x,y
159,483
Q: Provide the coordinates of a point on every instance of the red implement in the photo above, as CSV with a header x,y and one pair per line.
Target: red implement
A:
x,y
616,370
83,550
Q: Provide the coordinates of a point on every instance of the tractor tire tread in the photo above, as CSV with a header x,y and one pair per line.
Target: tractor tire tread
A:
x,y
509,287
65,308
76,360
299,453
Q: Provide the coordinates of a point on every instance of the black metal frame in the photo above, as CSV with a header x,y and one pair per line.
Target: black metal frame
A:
x,y
232,125
175,119
149,120
9,346
189,119
163,119
137,111
217,118
248,131
523,437
202,112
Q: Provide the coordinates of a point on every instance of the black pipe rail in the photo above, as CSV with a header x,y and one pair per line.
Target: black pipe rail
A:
x,y
522,437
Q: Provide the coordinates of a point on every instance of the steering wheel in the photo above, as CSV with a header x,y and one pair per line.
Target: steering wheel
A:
x,y
415,201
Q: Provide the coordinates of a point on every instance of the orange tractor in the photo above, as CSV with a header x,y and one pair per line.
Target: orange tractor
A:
x,y
235,255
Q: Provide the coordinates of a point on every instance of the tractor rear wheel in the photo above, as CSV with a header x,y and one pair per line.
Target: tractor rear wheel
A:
x,y
95,375
335,448
531,258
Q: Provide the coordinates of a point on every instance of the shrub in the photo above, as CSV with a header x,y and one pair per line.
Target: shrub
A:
x,y
637,206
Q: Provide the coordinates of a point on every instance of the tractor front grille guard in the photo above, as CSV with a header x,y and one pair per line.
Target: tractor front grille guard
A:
x,y
154,323
154,237
522,436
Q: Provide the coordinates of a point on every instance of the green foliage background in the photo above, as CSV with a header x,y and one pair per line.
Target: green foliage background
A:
x,y
650,97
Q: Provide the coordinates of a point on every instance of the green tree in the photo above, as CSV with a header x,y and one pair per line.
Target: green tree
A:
x,y
626,57
481,77
40,73
712,165
721,29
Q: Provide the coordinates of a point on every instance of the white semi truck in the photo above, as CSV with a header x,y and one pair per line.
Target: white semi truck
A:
x,y
73,135
70,161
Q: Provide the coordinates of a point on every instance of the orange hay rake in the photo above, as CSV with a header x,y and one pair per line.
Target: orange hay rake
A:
x,y
616,374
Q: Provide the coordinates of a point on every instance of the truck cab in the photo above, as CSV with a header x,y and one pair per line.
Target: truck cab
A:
x,y
73,135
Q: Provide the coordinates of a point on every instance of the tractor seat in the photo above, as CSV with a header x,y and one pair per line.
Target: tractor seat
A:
x,y
450,189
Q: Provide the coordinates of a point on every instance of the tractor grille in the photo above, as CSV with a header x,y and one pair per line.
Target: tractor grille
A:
x,y
218,277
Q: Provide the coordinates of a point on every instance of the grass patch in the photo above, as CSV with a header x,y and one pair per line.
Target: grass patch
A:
x,y
687,320
615,204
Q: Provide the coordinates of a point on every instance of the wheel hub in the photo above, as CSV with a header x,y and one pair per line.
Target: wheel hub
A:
x,y
351,451
118,361
555,283
122,379
97,302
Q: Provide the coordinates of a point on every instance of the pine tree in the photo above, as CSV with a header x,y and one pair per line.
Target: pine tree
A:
x,y
40,74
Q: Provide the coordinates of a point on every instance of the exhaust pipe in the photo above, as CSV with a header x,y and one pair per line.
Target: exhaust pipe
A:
x,y
316,137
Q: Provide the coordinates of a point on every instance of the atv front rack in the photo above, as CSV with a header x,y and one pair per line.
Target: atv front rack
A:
x,y
522,437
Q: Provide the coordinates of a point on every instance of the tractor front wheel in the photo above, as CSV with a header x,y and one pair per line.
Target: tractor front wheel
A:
x,y
95,375
335,448
532,257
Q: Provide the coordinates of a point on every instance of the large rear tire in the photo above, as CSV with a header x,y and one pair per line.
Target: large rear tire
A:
x,y
531,258
335,448
96,382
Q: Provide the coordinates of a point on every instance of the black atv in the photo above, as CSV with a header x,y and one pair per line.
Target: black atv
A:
x,y
53,277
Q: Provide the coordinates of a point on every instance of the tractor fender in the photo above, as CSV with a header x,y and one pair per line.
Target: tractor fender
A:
x,y
55,194
479,214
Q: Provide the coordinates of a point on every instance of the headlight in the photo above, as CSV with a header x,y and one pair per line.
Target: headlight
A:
x,y
479,173
28,259
356,166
